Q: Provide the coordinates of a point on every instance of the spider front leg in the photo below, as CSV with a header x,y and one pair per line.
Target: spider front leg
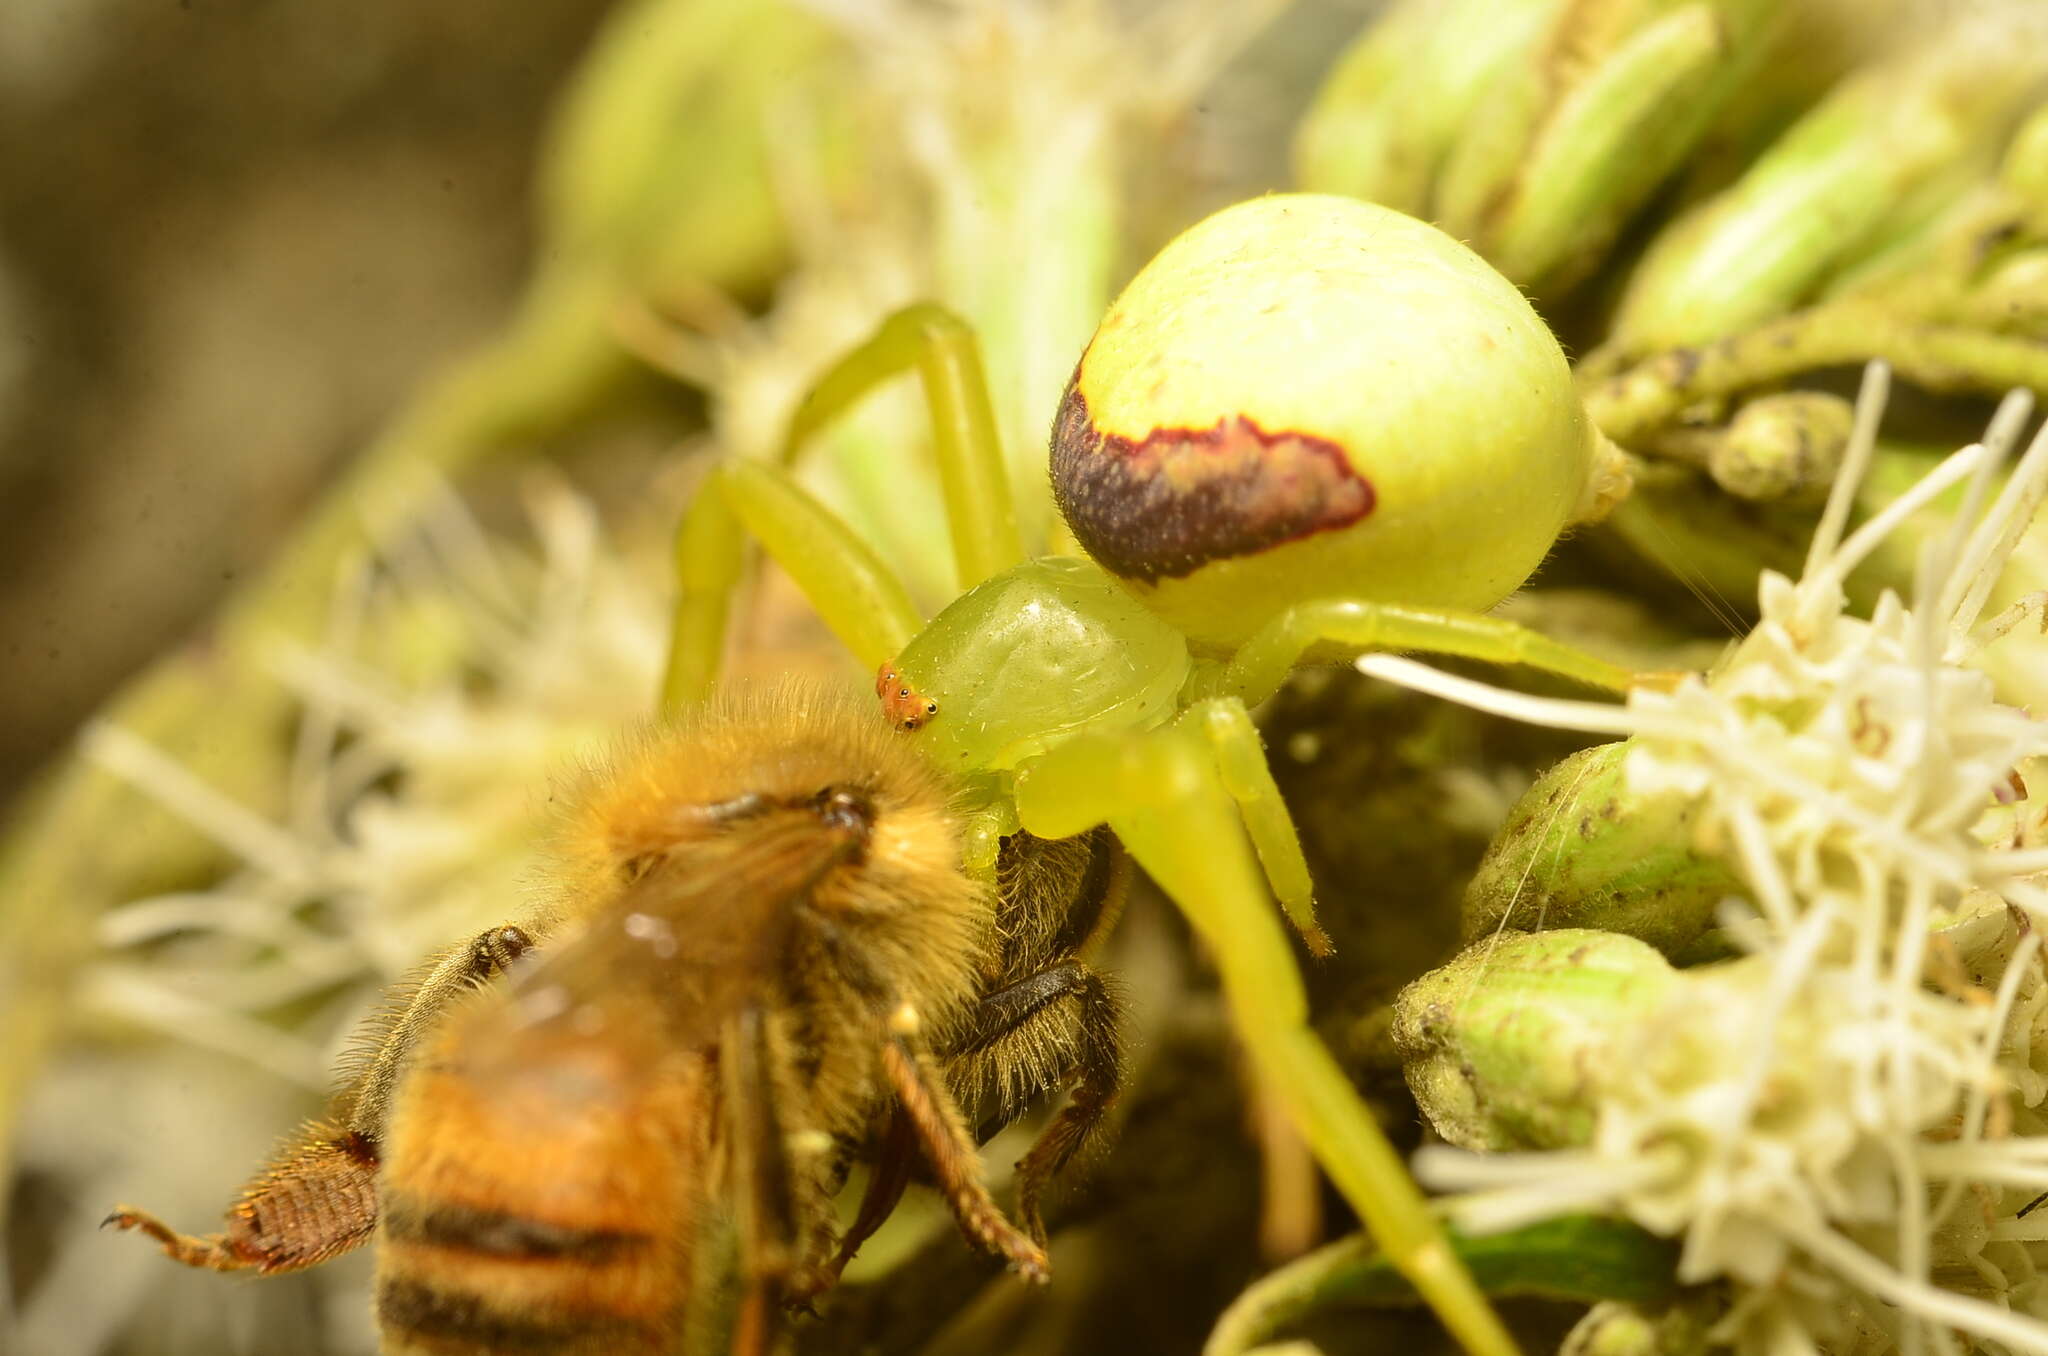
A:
x,y
1241,759
942,348
854,591
1162,795
1262,663
845,579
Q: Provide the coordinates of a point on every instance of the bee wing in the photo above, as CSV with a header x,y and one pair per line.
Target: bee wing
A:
x,y
703,933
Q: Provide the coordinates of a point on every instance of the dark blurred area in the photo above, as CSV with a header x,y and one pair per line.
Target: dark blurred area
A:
x,y
233,235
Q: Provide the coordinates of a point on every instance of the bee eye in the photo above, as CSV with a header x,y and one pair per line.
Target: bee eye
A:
x,y
844,808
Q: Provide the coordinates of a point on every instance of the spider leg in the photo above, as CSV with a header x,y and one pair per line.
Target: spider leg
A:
x,y
845,579
1241,759
853,589
1349,626
1162,794
942,348
981,839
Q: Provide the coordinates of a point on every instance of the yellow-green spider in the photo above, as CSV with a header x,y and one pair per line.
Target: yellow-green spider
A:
x,y
1309,428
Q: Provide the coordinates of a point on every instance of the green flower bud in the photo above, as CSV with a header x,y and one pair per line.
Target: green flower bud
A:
x,y
1579,850
1966,259
1506,1046
1786,446
1396,100
1562,150
1833,187
1620,1328
1308,397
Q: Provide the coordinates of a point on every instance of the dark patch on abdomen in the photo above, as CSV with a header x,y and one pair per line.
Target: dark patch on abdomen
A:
x,y
499,1233
456,1322
1165,505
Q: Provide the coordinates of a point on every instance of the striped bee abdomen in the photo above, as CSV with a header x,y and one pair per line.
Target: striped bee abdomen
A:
x,y
540,1193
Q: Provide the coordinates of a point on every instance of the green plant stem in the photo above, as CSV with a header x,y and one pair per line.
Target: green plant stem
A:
x,y
1577,1257
1635,403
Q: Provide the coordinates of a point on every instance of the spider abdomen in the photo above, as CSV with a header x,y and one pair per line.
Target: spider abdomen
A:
x,y
1309,397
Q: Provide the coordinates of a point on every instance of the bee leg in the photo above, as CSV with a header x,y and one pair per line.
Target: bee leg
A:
x,y
211,1252
318,1197
366,1105
1065,1013
887,1180
950,1149
765,1195
317,1200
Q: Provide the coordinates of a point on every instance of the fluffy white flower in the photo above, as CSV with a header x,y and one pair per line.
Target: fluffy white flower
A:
x,y
1842,1122
462,675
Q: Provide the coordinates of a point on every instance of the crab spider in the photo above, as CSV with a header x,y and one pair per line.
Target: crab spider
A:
x,y
1226,455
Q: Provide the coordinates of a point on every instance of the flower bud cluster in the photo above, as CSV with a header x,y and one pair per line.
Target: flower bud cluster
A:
x,y
1844,1121
1531,129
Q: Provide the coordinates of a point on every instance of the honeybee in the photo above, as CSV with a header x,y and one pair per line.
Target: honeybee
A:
x,y
757,958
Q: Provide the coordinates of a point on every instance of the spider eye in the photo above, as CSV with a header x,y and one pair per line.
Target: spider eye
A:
x,y
901,702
